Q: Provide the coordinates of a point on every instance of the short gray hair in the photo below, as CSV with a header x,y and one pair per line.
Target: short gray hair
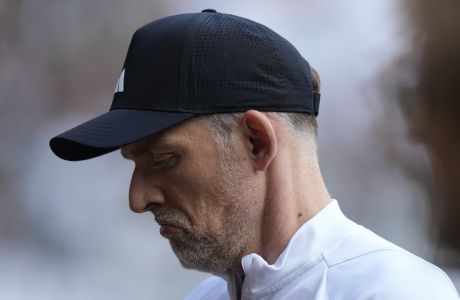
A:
x,y
300,124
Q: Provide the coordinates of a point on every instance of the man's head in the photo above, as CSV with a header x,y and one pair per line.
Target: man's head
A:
x,y
215,111
198,195
205,180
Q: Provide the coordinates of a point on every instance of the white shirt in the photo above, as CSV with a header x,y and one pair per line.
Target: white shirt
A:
x,y
331,257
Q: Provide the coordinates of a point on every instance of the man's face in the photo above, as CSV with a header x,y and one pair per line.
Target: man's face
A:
x,y
206,202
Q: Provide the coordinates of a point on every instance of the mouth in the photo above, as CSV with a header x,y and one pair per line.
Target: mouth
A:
x,y
169,230
170,222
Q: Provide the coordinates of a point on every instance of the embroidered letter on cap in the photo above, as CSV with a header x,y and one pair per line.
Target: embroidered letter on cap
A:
x,y
120,83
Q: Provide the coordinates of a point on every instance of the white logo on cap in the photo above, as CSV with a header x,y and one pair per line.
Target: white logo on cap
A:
x,y
120,83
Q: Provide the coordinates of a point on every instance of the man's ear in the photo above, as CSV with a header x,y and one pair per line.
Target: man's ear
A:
x,y
260,138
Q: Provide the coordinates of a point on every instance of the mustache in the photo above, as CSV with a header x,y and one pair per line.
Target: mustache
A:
x,y
172,217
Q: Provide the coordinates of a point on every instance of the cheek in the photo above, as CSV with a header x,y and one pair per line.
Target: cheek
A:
x,y
190,188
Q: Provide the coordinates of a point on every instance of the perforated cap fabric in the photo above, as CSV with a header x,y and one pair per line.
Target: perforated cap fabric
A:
x,y
191,64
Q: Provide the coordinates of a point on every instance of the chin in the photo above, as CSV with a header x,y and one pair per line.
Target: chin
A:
x,y
196,267
202,266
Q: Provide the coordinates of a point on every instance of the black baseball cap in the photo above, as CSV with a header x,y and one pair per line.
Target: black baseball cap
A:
x,y
193,64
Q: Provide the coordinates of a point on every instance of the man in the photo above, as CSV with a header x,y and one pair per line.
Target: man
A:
x,y
218,114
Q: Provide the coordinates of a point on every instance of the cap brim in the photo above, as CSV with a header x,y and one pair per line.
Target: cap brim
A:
x,y
110,131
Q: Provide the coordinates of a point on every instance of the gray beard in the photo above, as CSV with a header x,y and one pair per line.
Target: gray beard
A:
x,y
221,248
206,253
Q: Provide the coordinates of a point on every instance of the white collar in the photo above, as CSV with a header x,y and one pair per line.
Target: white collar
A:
x,y
304,249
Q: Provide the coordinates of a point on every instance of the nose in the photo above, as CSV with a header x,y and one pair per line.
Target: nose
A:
x,y
144,192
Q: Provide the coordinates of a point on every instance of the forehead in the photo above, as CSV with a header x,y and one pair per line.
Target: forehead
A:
x,y
181,135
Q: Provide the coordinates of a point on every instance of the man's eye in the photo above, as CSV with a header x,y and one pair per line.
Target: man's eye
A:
x,y
164,163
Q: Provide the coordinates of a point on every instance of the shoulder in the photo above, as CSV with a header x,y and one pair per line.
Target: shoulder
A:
x,y
214,288
366,264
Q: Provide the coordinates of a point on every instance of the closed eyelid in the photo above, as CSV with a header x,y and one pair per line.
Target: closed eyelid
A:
x,y
164,161
161,156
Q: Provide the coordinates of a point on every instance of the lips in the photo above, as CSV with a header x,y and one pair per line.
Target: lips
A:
x,y
171,222
168,230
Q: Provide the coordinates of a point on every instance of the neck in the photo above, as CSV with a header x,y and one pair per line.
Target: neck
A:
x,y
295,193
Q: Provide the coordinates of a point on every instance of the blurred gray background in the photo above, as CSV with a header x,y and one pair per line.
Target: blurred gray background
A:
x,y
66,231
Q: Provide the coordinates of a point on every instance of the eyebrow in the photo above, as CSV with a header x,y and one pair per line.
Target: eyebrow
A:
x,y
131,154
151,147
